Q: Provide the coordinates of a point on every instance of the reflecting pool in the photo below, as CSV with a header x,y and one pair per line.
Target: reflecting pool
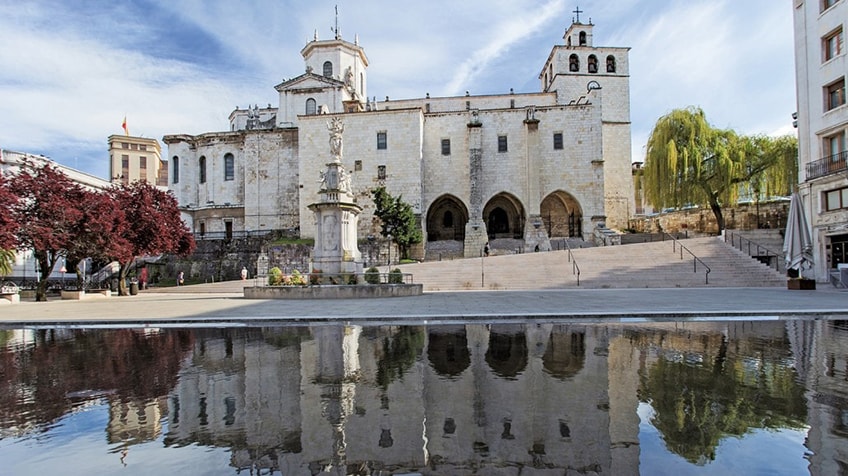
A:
x,y
654,398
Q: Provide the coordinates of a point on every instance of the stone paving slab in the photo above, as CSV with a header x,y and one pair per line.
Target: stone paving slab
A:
x,y
222,304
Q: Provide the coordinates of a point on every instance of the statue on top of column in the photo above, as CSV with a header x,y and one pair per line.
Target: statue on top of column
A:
x,y
336,128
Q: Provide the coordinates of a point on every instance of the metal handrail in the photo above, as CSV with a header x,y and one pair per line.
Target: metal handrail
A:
x,y
759,248
696,260
571,259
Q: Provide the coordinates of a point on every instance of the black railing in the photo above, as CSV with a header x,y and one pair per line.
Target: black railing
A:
x,y
829,165
755,250
227,236
575,270
695,260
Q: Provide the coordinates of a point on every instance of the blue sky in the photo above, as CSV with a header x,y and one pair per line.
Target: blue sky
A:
x,y
71,70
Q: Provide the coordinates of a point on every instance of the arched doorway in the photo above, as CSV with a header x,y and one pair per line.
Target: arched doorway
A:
x,y
447,351
446,219
504,217
562,215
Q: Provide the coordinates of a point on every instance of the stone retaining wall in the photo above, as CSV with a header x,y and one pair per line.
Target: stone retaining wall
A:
x,y
333,291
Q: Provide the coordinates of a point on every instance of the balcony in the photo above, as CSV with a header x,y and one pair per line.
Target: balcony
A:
x,y
827,166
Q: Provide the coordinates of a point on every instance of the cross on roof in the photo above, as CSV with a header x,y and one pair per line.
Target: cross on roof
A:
x,y
578,11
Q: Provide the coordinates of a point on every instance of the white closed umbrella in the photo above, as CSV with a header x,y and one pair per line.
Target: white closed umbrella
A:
x,y
797,244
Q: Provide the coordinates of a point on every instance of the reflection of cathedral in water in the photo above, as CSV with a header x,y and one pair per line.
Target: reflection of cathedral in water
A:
x,y
506,399
453,399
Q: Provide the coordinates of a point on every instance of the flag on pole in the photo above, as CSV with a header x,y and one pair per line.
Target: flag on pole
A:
x,y
124,126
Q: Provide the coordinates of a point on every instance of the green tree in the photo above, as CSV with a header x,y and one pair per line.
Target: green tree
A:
x,y
398,219
690,162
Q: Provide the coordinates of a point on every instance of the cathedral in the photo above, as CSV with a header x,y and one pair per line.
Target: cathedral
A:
x,y
531,166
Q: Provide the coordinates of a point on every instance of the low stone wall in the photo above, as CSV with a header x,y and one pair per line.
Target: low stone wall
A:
x,y
702,220
334,291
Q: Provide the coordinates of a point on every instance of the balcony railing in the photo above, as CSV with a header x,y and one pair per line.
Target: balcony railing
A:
x,y
829,165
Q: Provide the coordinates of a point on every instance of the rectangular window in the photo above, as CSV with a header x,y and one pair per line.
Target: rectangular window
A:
x,y
176,161
825,4
502,145
836,199
557,140
357,165
142,147
445,146
125,169
381,141
142,168
834,95
381,172
832,45
134,146
834,145
125,145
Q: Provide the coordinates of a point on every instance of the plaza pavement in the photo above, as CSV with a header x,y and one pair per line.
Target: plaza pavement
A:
x,y
223,304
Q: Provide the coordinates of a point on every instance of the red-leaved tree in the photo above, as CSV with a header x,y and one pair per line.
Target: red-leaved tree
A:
x,y
8,227
98,234
46,212
152,226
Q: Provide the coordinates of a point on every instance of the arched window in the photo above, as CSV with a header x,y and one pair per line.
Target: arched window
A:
x,y
582,38
310,107
573,63
362,84
202,165
229,167
328,69
593,64
610,64
176,168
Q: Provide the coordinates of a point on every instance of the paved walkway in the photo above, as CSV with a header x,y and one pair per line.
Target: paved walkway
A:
x,y
222,303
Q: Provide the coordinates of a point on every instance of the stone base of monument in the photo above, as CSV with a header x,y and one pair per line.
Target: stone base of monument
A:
x,y
354,291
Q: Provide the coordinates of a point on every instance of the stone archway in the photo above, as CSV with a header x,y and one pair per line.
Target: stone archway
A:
x,y
565,354
446,219
447,351
504,217
562,215
507,353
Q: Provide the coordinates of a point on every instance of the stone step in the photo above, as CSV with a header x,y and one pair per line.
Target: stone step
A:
x,y
653,264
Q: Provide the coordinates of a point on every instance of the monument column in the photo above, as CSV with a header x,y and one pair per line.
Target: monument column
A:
x,y
336,215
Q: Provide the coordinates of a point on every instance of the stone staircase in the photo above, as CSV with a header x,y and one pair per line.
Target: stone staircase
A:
x,y
646,265
762,242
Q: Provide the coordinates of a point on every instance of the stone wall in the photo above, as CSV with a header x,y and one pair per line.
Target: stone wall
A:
x,y
702,220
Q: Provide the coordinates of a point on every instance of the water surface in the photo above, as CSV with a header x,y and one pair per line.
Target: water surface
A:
x,y
733,397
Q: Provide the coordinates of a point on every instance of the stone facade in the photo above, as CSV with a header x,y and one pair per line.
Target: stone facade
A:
x,y
529,166
822,121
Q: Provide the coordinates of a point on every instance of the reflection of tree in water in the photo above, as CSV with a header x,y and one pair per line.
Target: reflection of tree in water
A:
x,y
81,365
698,402
400,351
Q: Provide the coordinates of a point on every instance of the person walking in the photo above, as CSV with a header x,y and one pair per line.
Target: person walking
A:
x,y
243,273
180,279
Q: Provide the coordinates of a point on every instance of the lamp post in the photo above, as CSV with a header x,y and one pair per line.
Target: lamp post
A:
x,y
389,258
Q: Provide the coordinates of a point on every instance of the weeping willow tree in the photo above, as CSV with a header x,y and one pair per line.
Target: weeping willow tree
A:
x,y
689,162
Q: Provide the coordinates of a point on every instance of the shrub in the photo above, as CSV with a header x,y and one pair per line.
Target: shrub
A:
x,y
297,279
372,275
275,276
396,276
